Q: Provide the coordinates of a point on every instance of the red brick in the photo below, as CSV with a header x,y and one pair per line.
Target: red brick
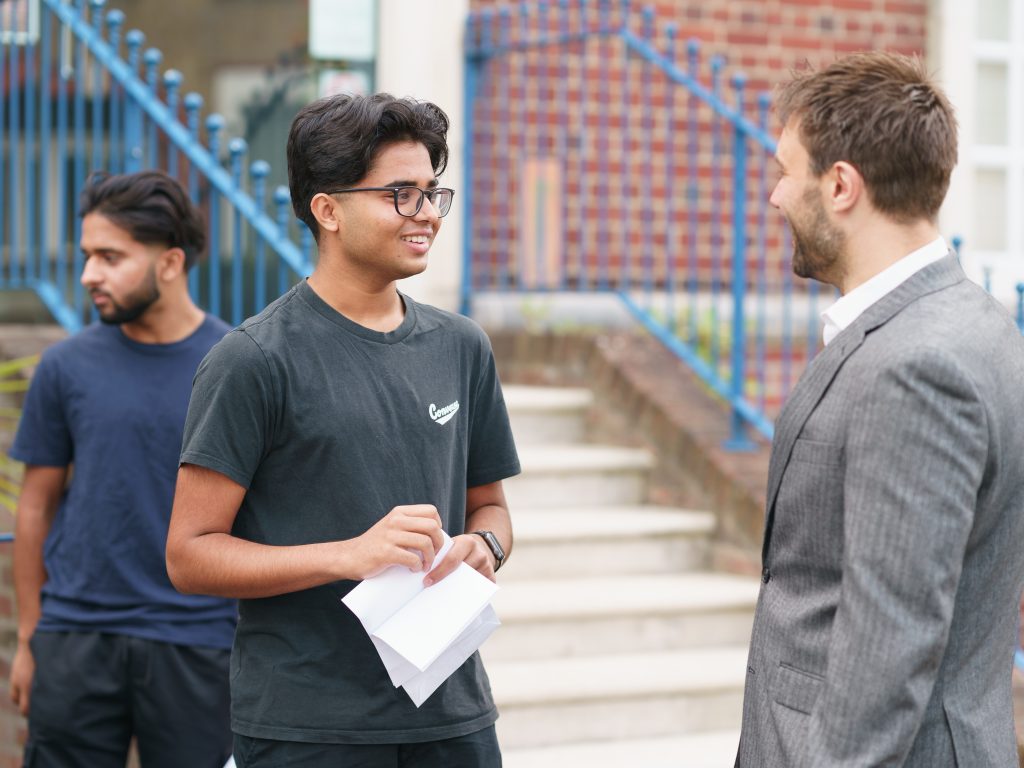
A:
x,y
747,38
787,33
911,8
803,43
907,50
851,46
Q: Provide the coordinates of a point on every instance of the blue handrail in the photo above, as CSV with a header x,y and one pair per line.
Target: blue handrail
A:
x,y
66,110
671,215
649,217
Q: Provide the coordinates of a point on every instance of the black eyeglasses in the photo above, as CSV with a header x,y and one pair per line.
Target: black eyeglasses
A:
x,y
409,200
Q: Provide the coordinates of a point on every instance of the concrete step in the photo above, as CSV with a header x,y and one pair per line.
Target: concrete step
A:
x,y
596,541
618,697
699,750
579,475
621,614
545,415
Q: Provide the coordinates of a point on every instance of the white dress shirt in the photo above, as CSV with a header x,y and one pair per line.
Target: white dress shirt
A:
x,y
851,306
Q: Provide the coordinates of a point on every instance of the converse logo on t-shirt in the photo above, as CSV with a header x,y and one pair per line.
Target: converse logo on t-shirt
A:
x,y
443,415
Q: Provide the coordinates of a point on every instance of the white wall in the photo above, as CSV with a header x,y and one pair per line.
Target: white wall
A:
x,y
420,55
950,30
971,209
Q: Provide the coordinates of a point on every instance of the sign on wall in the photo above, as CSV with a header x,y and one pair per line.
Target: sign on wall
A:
x,y
343,30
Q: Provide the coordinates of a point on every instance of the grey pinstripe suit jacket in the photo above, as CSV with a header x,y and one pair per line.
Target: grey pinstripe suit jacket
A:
x,y
894,542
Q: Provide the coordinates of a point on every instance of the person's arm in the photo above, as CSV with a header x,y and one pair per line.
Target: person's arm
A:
x,y
41,489
203,557
916,449
486,510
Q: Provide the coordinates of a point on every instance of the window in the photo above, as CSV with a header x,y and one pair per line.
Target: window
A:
x,y
996,239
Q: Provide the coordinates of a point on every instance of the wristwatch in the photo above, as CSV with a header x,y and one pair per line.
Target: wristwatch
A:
x,y
493,544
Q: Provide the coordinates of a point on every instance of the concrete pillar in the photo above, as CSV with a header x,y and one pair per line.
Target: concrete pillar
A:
x,y
420,55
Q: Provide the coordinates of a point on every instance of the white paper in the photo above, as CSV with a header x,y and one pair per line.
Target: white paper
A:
x,y
423,634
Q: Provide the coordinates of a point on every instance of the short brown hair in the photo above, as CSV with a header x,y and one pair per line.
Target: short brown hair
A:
x,y
881,113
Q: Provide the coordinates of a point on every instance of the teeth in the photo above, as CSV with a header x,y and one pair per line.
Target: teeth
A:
x,y
420,239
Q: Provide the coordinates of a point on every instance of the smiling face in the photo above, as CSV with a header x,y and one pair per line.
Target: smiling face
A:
x,y
373,238
818,244
119,272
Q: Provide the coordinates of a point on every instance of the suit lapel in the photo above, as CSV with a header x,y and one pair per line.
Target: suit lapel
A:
x,y
801,404
823,369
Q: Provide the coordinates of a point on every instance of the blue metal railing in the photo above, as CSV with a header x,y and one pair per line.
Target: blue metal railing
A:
x,y
71,103
662,181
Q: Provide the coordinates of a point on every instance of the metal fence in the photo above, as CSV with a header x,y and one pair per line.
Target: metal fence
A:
x,y
604,155
77,96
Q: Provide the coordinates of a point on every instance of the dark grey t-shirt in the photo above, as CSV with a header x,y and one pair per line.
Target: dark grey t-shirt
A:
x,y
329,425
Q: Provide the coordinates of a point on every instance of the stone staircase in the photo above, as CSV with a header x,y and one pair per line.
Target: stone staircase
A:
x,y
618,647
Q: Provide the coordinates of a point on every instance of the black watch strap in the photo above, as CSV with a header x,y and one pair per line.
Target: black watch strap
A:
x,y
494,545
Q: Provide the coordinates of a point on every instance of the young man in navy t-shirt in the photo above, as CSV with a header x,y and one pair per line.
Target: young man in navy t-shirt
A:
x,y
107,648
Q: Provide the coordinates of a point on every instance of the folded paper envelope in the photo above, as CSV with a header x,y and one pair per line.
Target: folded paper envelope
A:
x,y
423,634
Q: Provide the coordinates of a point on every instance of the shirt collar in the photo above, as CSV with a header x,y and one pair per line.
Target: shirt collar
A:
x,y
848,308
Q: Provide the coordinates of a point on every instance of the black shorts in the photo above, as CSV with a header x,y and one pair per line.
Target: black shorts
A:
x,y
476,750
92,692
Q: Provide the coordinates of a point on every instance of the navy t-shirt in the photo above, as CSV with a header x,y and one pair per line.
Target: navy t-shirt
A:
x,y
114,409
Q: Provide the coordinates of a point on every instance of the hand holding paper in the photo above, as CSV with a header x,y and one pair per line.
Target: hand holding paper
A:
x,y
423,634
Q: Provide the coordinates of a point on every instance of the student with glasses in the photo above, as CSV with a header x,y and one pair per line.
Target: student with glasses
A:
x,y
336,434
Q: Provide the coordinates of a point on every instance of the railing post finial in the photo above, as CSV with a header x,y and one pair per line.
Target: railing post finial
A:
x,y
237,148
282,202
259,170
739,83
1020,306
115,20
214,125
172,84
152,58
693,54
135,39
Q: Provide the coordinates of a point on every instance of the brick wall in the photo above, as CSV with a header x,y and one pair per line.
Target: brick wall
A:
x,y
641,172
615,125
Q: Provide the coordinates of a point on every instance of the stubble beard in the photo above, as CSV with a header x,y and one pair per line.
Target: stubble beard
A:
x,y
134,304
818,245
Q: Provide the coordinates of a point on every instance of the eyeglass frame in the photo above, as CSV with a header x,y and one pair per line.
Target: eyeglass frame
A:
x,y
394,196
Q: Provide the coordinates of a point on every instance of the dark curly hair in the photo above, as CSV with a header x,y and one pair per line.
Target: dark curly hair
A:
x,y
334,141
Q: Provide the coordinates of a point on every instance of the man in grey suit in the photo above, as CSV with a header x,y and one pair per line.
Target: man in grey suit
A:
x,y
893,554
